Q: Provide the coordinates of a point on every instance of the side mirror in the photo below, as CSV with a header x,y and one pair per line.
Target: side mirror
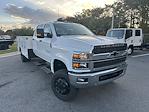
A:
x,y
49,35
40,33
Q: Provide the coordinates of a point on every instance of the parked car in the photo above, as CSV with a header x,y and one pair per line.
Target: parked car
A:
x,y
76,57
5,42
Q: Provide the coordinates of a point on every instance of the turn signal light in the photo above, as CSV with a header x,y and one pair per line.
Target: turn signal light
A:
x,y
76,65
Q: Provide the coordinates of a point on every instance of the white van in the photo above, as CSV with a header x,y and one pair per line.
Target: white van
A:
x,y
133,37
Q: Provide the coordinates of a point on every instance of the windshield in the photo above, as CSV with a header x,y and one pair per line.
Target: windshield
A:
x,y
71,29
116,34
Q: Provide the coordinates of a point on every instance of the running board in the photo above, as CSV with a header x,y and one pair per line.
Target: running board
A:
x,y
46,70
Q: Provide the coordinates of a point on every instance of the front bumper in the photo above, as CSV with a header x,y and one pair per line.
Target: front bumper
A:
x,y
82,80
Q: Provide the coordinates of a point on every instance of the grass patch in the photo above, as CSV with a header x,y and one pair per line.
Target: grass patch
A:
x,y
12,48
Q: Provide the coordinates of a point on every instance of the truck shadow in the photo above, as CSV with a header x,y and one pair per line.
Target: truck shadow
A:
x,y
102,90
105,97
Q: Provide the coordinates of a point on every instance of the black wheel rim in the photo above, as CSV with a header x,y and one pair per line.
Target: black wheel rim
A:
x,y
62,86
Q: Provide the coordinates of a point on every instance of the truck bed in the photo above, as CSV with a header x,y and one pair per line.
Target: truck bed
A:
x,y
24,43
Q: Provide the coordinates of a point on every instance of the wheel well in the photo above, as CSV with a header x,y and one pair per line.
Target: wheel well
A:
x,y
58,65
19,49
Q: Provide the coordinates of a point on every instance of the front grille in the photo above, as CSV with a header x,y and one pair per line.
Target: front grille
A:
x,y
109,62
109,48
110,76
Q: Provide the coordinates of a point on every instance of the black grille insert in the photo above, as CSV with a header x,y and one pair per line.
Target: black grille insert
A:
x,y
109,48
109,62
110,76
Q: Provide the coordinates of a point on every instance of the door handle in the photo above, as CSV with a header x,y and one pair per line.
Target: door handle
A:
x,y
40,40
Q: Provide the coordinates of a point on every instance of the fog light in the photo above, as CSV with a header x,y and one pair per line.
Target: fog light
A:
x,y
82,80
76,65
84,65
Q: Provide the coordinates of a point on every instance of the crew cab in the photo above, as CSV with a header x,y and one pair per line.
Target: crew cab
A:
x,y
77,58
133,37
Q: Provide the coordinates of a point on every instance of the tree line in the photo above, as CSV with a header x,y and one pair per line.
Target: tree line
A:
x,y
24,31
127,14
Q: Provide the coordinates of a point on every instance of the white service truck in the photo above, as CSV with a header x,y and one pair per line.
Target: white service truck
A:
x,y
77,58
133,37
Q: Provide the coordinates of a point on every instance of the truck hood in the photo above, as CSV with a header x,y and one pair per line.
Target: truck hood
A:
x,y
83,43
92,40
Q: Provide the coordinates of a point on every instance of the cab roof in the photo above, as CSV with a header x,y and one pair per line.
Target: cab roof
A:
x,y
126,29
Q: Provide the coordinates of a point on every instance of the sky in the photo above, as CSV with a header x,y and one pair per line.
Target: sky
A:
x,y
15,13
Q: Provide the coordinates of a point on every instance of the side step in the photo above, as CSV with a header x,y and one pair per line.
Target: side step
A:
x,y
38,62
46,70
45,66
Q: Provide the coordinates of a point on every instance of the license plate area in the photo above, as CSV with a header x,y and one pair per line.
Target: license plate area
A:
x,y
110,76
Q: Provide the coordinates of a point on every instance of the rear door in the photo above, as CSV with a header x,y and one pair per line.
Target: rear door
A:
x,y
37,40
138,37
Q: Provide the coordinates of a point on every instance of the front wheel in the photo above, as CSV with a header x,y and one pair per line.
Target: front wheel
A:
x,y
61,86
130,50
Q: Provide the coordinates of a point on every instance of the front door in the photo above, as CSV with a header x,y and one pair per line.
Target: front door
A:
x,y
129,37
46,43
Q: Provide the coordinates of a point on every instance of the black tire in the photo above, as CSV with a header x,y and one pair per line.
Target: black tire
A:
x,y
24,59
61,86
3,47
141,47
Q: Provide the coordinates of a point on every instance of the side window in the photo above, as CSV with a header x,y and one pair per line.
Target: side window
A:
x,y
128,34
47,31
40,33
137,33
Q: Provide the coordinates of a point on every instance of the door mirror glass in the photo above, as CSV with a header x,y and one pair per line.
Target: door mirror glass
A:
x,y
128,34
40,33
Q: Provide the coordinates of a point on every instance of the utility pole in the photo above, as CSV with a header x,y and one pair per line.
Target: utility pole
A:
x,y
112,25
58,13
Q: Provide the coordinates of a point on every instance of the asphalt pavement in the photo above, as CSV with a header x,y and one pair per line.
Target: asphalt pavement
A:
x,y
24,87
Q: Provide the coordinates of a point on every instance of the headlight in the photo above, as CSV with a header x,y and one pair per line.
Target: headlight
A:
x,y
82,56
76,64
